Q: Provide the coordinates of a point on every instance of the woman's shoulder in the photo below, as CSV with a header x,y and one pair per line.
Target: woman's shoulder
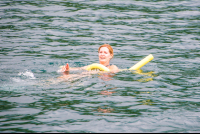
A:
x,y
113,68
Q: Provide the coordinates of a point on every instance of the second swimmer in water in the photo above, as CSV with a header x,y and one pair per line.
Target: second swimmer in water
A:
x,y
105,55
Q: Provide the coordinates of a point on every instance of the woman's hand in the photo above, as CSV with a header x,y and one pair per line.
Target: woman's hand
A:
x,y
65,68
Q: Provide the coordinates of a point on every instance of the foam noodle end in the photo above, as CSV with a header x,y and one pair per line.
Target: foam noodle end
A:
x,y
142,62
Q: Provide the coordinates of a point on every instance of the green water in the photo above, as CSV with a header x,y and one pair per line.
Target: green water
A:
x,y
39,36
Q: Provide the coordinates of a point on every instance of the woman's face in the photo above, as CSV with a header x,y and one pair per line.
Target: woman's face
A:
x,y
104,55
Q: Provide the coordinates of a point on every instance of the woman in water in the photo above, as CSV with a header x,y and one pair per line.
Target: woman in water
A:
x,y
105,55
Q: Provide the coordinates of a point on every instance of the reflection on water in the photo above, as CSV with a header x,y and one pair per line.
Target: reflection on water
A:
x,y
147,102
108,110
151,74
106,92
39,36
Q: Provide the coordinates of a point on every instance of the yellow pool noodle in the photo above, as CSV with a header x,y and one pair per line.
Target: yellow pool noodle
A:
x,y
142,62
138,65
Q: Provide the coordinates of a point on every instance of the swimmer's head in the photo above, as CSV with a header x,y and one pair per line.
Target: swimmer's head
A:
x,y
109,48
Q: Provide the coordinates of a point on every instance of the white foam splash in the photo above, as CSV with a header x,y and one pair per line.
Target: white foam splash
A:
x,y
28,74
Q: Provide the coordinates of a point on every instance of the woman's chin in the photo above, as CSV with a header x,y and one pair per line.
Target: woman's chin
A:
x,y
103,62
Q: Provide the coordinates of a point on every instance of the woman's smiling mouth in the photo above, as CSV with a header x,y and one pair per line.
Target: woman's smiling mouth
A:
x,y
102,57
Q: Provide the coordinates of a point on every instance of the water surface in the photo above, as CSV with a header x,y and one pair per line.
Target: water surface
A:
x,y
39,36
